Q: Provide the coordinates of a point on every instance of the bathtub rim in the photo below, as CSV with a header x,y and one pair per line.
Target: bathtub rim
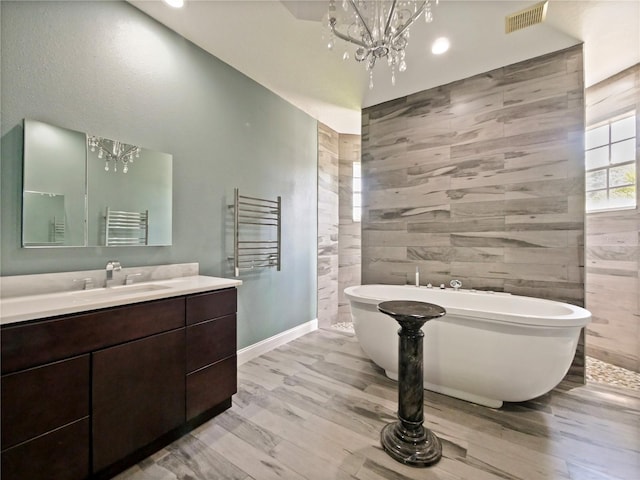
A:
x,y
578,316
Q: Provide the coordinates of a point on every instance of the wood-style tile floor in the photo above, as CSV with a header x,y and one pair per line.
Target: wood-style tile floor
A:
x,y
313,409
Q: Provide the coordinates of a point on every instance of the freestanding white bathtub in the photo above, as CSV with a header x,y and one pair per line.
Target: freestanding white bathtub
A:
x,y
489,348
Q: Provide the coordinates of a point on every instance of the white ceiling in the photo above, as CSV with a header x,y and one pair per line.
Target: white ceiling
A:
x,y
283,48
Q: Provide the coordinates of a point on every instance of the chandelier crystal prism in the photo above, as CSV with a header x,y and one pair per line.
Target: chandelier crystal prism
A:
x,y
114,151
378,29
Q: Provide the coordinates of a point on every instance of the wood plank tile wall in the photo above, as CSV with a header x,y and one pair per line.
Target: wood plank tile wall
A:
x,y
481,180
349,231
328,148
612,239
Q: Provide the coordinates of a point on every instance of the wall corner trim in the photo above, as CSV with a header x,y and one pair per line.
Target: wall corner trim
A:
x,y
247,354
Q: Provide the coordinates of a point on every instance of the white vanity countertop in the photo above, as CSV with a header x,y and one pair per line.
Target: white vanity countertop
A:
x,y
32,307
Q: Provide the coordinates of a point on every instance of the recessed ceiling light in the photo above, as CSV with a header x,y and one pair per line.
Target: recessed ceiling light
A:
x,y
440,46
175,3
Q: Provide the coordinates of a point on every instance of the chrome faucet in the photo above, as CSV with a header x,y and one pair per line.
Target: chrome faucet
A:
x,y
111,266
456,284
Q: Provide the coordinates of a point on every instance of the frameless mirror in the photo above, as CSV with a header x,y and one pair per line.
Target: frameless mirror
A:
x,y
132,208
54,186
84,190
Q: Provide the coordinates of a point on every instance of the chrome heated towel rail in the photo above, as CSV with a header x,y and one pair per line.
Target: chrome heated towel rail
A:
x,y
256,233
126,228
57,231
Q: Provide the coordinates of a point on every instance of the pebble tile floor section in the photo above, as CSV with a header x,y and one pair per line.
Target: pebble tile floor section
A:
x,y
602,372
313,409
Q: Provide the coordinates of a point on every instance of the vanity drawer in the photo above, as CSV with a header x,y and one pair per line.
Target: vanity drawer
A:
x,y
210,341
24,346
207,306
44,398
62,454
210,386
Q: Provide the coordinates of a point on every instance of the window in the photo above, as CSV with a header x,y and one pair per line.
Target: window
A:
x,y
610,161
357,192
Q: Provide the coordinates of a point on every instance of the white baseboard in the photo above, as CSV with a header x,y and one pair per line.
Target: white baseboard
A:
x,y
247,354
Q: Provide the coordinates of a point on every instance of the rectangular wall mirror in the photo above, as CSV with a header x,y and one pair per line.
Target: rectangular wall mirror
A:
x,y
85,190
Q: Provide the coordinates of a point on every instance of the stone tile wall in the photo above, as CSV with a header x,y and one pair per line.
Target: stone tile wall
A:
x,y
612,239
481,180
349,231
328,147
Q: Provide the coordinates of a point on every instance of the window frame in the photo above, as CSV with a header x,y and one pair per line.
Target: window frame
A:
x,y
356,211
607,189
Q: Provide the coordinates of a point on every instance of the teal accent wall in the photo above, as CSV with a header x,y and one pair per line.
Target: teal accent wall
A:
x,y
109,69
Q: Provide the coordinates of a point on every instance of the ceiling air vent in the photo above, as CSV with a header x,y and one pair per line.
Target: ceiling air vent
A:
x,y
525,18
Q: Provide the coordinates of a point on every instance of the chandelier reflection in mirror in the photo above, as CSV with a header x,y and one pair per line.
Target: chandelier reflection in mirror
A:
x,y
377,28
113,151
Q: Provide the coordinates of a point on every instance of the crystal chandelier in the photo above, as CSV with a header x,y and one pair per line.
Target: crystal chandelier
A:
x,y
378,28
113,151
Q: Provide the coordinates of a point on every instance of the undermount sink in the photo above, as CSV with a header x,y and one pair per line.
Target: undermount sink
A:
x,y
119,291
149,287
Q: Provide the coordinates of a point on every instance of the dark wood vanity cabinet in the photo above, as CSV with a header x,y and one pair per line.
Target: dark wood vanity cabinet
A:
x,y
137,395
211,351
85,395
45,421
